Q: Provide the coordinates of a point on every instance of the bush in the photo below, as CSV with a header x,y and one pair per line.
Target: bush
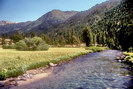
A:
x,y
21,45
32,44
5,46
96,49
130,49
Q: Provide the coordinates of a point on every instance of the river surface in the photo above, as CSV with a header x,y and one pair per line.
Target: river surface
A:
x,y
93,71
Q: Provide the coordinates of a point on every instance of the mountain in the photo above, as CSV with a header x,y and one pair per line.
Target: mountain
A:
x,y
11,28
117,26
49,20
60,21
6,22
84,18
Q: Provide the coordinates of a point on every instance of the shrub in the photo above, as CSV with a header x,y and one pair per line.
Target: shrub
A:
x,y
5,46
21,45
130,49
42,46
32,44
96,49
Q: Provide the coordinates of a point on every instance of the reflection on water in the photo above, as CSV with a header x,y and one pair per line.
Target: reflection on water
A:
x,y
92,71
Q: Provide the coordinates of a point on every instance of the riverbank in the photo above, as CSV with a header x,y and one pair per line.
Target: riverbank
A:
x,y
61,55
126,57
92,71
14,63
97,49
129,57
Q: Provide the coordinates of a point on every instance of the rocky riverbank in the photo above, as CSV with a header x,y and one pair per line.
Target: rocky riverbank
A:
x,y
125,58
28,77
92,71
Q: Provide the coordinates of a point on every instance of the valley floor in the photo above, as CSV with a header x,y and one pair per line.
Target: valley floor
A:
x,y
14,63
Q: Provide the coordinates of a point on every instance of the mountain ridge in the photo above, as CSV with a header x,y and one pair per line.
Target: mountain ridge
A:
x,y
3,22
57,19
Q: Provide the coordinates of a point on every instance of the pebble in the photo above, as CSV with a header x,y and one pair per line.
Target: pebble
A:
x,y
119,60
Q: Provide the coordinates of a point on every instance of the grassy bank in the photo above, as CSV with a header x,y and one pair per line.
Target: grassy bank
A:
x,y
96,49
129,57
14,63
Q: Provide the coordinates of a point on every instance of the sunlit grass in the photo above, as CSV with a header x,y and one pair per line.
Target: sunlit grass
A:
x,y
129,56
13,63
96,49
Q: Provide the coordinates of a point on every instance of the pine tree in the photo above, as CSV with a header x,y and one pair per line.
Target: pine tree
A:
x,y
87,36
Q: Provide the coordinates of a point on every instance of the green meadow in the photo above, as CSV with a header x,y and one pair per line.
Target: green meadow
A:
x,y
14,63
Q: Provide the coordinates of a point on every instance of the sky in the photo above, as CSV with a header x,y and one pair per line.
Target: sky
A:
x,y
30,10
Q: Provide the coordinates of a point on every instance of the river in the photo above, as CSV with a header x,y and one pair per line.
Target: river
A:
x,y
93,71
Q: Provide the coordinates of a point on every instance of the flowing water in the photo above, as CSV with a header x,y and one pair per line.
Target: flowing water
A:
x,y
92,71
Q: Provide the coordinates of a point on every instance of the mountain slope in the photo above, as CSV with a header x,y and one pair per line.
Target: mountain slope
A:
x,y
117,26
84,18
49,20
61,21
6,22
11,28
42,24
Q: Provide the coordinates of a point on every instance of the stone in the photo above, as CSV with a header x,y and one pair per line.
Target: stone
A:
x,y
52,64
22,79
108,88
119,60
11,82
123,56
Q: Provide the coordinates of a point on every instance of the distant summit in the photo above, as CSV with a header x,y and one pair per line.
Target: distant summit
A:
x,y
6,22
48,20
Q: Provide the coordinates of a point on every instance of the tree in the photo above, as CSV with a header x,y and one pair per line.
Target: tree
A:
x,y
33,34
17,37
87,36
3,39
45,38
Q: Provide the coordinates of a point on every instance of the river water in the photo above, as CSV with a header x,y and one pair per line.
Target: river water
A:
x,y
93,71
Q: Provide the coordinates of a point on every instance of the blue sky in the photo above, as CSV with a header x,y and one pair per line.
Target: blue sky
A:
x,y
29,10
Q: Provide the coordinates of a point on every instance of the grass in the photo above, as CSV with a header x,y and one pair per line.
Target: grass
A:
x,y
96,49
129,57
14,63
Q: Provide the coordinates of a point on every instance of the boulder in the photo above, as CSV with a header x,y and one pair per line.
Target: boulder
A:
x,y
52,64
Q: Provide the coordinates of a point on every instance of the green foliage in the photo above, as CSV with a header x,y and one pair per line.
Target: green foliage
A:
x,y
21,45
115,29
87,36
96,49
45,38
32,44
130,49
129,57
17,36
12,46
78,22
